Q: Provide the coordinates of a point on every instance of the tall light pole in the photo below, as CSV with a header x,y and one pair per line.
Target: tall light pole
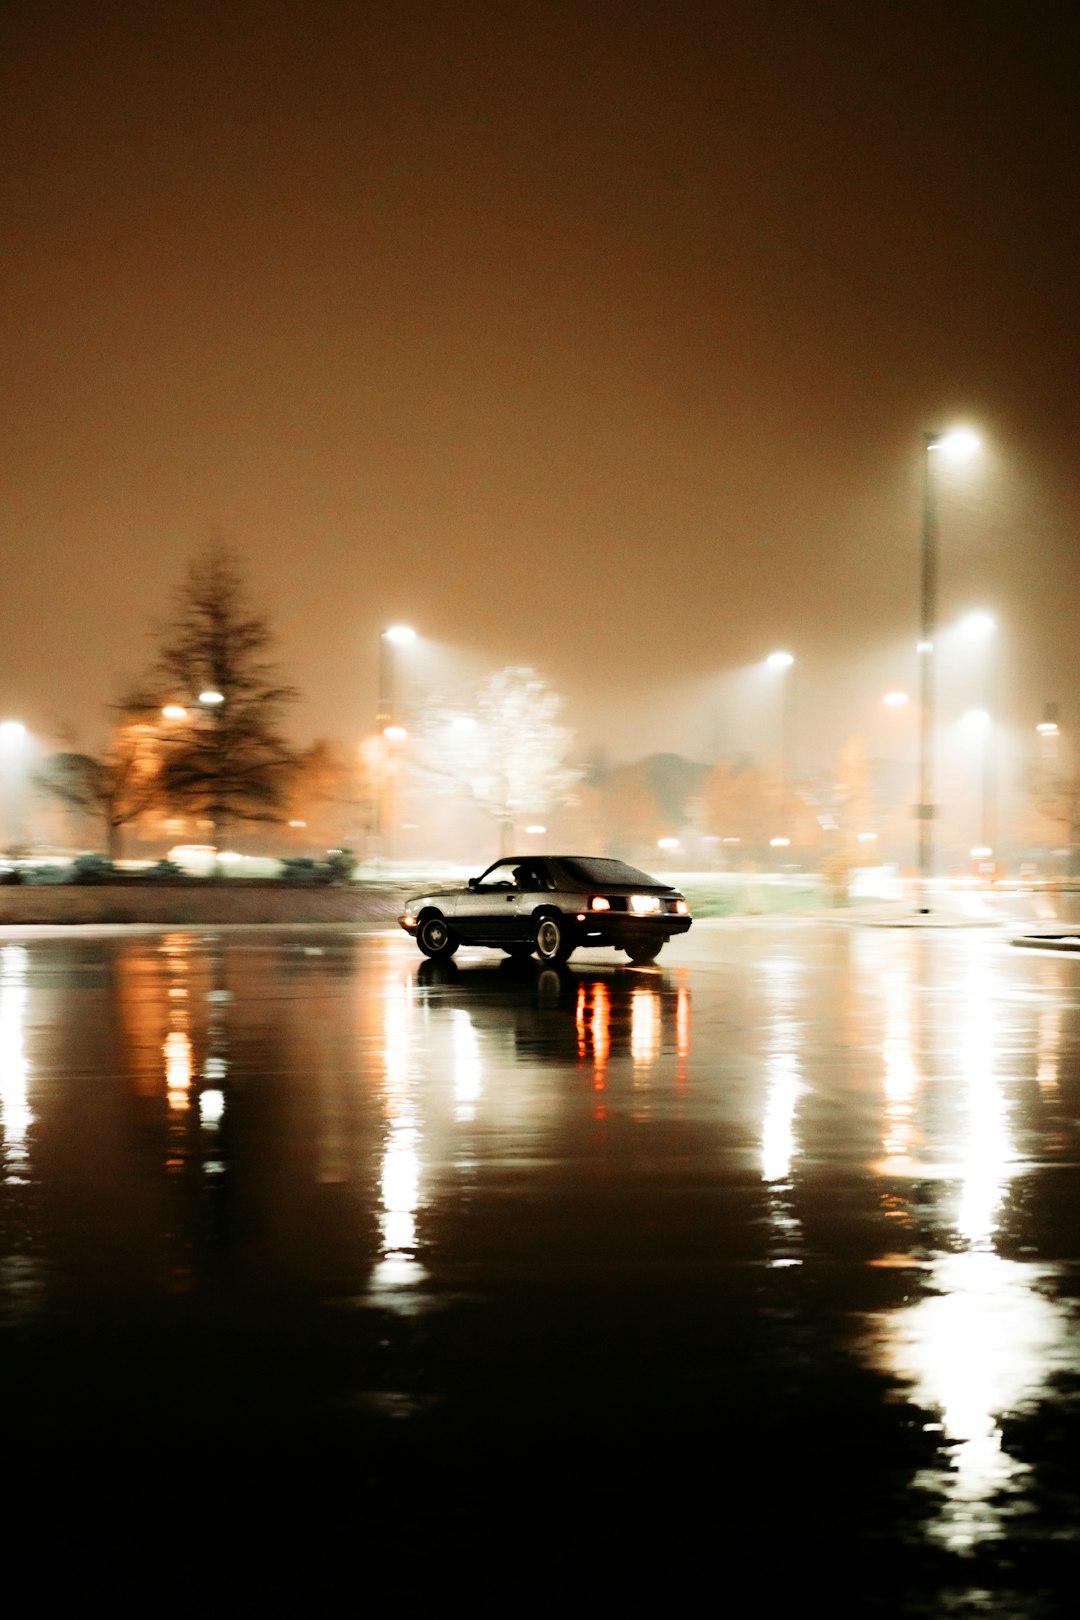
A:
x,y
387,732
960,442
395,635
782,662
13,764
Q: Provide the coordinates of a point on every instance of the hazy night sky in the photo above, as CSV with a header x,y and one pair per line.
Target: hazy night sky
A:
x,y
599,337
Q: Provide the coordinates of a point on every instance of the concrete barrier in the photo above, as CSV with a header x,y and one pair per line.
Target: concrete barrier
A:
x,y
199,900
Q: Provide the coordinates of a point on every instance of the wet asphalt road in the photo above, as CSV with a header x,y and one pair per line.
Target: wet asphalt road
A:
x,y
332,1282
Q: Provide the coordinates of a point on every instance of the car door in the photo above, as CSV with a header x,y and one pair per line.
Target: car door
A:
x,y
533,885
488,912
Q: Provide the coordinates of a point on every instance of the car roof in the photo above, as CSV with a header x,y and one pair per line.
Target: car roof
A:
x,y
558,860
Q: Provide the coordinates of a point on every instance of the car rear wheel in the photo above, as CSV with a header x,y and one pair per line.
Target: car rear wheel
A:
x,y
554,941
646,950
434,938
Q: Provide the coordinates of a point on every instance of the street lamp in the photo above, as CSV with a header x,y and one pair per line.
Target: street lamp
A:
x,y
960,442
387,732
394,635
14,751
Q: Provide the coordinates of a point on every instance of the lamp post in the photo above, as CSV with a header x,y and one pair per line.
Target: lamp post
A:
x,y
783,662
13,752
387,733
960,442
395,635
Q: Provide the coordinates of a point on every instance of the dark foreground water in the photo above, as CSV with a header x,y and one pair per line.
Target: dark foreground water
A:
x,y
332,1283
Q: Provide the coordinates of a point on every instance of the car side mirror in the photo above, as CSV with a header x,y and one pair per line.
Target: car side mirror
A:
x,y
474,883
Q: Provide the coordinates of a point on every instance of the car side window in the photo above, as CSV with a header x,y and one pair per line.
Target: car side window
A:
x,y
500,877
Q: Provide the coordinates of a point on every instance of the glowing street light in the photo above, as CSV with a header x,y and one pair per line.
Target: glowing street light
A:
x,y
211,697
958,442
394,635
977,625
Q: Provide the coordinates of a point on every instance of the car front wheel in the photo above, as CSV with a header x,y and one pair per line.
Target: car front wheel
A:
x,y
554,941
646,950
435,939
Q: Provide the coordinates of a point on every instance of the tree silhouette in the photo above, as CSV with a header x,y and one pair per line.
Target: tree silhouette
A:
x,y
224,758
115,787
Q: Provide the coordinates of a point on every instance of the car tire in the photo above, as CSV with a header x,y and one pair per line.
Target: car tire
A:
x,y
554,941
645,951
434,937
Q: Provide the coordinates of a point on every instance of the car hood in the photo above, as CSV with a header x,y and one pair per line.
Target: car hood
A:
x,y
436,894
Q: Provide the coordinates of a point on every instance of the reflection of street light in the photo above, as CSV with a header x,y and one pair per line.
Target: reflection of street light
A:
x,y
960,442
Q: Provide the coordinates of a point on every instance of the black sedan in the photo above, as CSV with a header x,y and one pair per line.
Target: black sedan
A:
x,y
549,905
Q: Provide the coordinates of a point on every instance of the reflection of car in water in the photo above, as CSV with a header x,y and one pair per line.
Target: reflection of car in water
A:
x,y
550,905
563,1012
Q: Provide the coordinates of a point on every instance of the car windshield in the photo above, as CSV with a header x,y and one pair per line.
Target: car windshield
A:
x,y
599,870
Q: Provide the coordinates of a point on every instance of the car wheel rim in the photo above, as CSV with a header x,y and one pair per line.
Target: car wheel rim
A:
x,y
435,934
549,938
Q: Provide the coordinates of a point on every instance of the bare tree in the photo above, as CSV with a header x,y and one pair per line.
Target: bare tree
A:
x,y
115,787
506,751
224,757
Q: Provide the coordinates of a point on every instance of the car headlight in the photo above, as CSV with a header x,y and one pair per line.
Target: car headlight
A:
x,y
681,908
644,905
599,903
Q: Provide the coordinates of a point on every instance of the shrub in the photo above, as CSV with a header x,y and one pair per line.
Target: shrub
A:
x,y
91,868
342,865
46,874
304,869
164,871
